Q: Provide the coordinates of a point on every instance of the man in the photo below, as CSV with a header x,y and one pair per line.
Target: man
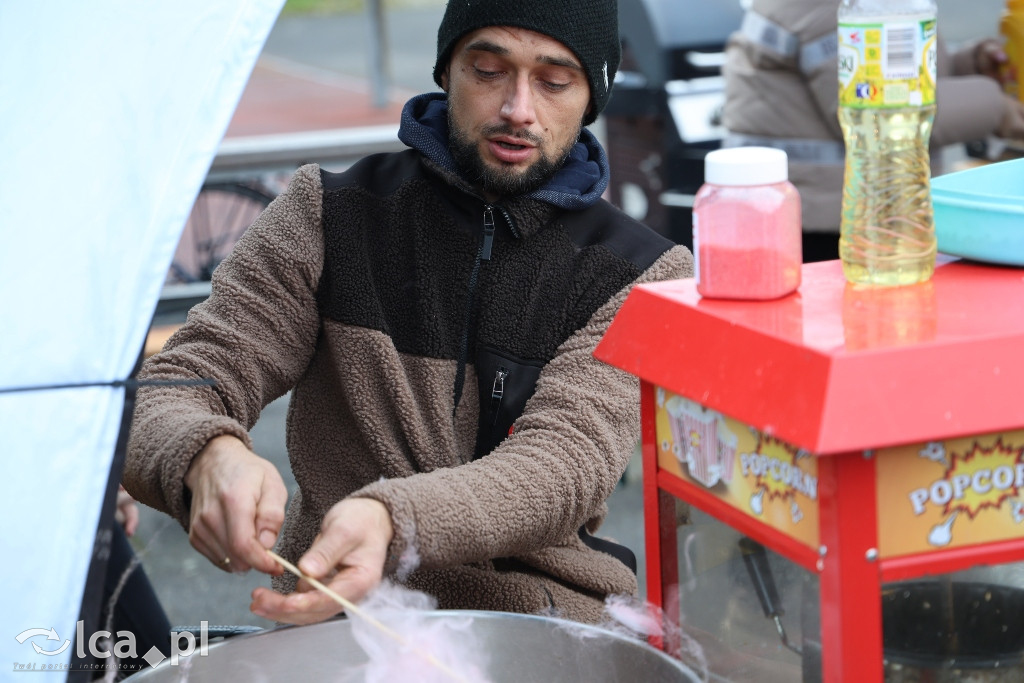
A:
x,y
434,314
782,90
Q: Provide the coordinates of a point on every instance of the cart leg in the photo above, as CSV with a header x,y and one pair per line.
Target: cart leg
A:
x,y
669,561
851,603
659,531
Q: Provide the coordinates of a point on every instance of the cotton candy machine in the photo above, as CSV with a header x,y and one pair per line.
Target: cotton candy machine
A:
x,y
517,648
953,631
936,630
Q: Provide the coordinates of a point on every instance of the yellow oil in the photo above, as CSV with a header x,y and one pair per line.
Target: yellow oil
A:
x,y
887,233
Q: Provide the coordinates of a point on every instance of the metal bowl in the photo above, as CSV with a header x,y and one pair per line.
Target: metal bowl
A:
x,y
519,648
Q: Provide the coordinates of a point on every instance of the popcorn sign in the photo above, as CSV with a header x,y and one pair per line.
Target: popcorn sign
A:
x,y
753,472
950,493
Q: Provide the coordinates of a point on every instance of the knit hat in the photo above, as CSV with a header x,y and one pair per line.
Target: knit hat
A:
x,y
590,28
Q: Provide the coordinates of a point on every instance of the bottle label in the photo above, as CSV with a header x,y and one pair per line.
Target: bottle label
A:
x,y
888,64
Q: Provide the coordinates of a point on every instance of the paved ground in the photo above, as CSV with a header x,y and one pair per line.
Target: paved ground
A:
x,y
314,72
312,75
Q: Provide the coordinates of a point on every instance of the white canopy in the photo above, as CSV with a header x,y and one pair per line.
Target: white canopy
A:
x,y
110,114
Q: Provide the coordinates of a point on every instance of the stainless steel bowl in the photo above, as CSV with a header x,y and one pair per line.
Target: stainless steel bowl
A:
x,y
519,648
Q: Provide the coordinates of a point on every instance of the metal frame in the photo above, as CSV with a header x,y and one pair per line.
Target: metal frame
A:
x,y
252,155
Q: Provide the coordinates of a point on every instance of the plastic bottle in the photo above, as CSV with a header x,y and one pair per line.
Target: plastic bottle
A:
x,y
1011,27
887,70
746,225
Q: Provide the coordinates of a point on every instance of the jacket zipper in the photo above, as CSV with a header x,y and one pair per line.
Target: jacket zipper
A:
x,y
482,254
498,392
485,249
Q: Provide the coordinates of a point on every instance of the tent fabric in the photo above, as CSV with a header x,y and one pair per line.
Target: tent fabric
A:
x,y
111,112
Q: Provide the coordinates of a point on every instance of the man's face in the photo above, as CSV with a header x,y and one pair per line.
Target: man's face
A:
x,y
516,101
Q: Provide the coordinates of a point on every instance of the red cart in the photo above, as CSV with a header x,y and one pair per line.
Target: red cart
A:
x,y
869,436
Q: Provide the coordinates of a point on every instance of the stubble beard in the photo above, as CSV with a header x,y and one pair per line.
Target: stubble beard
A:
x,y
504,180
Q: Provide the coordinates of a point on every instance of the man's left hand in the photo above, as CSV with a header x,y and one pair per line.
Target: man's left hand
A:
x,y
991,60
127,512
348,556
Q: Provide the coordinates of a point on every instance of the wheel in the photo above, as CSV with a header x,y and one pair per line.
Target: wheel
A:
x,y
221,213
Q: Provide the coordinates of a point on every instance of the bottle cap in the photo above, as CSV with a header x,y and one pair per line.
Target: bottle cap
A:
x,y
742,166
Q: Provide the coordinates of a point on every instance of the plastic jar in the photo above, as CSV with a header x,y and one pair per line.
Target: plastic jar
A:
x,y
746,225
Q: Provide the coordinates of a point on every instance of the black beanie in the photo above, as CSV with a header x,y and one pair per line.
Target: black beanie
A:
x,y
590,28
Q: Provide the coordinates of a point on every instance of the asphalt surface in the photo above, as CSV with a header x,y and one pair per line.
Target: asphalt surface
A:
x,y
339,47
343,44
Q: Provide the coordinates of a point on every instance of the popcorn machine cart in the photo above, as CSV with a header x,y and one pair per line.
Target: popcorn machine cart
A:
x,y
871,438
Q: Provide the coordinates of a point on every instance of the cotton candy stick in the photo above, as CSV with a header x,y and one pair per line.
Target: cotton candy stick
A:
x,y
353,609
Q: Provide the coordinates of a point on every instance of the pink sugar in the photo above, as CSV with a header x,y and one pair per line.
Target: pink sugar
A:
x,y
747,272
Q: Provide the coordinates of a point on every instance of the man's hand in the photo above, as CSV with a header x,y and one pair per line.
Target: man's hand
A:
x,y
238,501
990,60
348,556
1012,125
127,512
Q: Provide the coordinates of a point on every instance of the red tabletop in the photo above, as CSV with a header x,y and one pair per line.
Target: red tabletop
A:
x,y
834,368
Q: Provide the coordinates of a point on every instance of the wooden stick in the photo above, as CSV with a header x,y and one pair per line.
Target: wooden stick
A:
x,y
352,609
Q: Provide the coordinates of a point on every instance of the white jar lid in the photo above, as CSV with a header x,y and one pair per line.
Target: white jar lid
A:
x,y
742,166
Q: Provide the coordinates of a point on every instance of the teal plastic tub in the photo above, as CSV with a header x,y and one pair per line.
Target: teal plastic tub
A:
x,y
979,213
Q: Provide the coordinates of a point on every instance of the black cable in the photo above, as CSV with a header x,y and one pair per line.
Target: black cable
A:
x,y
130,383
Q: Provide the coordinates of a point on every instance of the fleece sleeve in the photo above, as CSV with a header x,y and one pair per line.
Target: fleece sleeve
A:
x,y
253,337
563,459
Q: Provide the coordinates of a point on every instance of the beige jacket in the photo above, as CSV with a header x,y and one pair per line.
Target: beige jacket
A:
x,y
770,96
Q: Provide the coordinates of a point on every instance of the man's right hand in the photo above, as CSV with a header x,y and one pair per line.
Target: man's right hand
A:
x,y
990,60
238,501
1012,125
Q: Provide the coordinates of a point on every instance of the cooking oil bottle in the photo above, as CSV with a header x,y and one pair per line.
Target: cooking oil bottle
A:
x,y
887,69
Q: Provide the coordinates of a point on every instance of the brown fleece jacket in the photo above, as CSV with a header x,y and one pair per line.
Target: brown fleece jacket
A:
x,y
371,297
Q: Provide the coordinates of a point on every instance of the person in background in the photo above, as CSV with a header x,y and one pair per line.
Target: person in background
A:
x,y
781,77
433,313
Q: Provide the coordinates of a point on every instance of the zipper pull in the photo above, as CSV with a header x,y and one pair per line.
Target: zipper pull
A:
x,y
498,391
485,252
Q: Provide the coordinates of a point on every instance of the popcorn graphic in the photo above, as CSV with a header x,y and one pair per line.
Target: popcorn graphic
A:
x,y
696,429
934,451
795,513
757,502
726,451
1017,510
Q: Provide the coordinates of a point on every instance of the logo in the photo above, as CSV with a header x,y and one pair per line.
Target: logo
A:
x,y
976,479
102,645
50,635
849,62
865,91
775,468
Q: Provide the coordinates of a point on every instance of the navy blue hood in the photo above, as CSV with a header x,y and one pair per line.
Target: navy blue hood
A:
x,y
577,185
